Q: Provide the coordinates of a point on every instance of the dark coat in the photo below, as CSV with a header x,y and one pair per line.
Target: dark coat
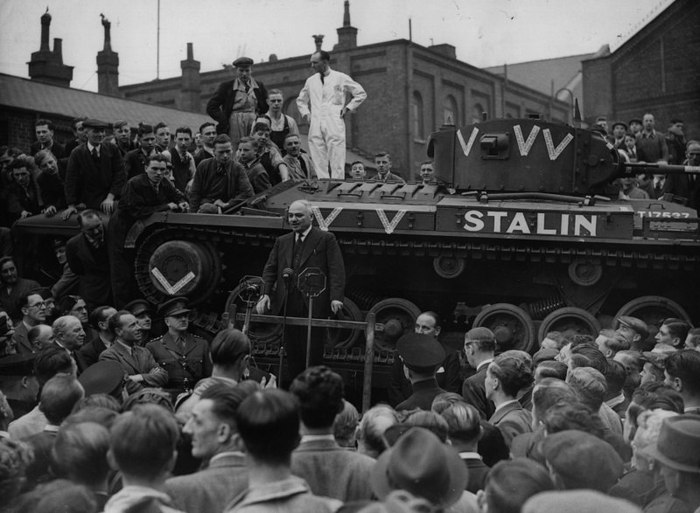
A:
x,y
206,188
134,163
139,362
477,474
320,249
220,106
91,351
184,368
474,393
10,302
92,265
448,377
512,420
423,394
90,184
21,339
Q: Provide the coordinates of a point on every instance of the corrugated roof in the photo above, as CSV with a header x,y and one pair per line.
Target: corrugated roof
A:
x,y
26,94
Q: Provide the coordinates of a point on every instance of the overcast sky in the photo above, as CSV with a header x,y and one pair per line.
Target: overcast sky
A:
x,y
485,32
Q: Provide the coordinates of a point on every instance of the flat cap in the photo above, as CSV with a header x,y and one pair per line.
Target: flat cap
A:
x,y
174,306
419,351
102,378
95,123
543,355
243,62
620,123
582,460
637,325
138,307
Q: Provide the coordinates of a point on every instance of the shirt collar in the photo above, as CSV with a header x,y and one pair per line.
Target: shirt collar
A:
x,y
91,147
485,362
507,403
468,455
123,345
305,233
225,454
315,438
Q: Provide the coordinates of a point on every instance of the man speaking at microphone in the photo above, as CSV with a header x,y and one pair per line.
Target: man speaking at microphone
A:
x,y
306,246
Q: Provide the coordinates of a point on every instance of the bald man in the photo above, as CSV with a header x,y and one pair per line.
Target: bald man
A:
x,y
304,247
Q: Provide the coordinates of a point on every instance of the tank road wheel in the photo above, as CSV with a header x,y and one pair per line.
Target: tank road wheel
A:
x,y
585,271
653,310
178,268
258,332
512,326
398,317
570,319
346,338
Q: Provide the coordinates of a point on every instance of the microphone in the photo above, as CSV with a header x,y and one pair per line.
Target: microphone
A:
x,y
287,274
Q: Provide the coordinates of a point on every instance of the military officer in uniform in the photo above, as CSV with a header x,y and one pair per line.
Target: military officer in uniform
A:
x,y
185,356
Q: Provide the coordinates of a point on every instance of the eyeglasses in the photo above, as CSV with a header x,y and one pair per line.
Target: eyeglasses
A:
x,y
40,304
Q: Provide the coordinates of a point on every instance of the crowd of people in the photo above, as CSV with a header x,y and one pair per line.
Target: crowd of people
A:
x,y
117,406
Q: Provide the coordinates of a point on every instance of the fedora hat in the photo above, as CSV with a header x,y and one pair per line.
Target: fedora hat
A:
x,y
678,446
422,465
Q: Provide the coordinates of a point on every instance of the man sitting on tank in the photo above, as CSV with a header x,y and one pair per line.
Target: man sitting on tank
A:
x,y
219,182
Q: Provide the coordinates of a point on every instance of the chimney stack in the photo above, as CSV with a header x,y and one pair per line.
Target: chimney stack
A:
x,y
190,85
107,64
347,34
46,65
318,41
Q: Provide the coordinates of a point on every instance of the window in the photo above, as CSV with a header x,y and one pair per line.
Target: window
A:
x,y
450,111
418,116
477,113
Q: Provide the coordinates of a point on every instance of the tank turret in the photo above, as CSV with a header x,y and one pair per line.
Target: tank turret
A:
x,y
531,156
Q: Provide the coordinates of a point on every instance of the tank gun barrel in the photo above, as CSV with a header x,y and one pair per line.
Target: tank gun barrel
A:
x,y
635,168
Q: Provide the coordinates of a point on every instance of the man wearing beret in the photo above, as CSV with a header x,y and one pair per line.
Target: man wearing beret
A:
x,y
421,356
237,102
185,356
95,175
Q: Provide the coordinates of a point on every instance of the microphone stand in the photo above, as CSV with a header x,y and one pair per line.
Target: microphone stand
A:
x,y
286,276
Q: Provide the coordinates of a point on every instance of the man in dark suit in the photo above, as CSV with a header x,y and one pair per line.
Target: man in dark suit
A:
x,y
95,175
138,363
421,356
306,246
68,334
44,130
33,313
92,349
480,348
237,103
88,257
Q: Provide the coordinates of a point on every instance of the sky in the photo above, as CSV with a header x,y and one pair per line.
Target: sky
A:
x,y
484,32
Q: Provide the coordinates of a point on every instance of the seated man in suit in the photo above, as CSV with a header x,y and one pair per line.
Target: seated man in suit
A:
x,y
33,313
140,368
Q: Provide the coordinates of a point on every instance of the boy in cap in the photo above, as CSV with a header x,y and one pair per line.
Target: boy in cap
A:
x,y
421,356
185,356
237,102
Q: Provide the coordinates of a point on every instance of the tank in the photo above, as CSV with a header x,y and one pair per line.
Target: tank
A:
x,y
520,234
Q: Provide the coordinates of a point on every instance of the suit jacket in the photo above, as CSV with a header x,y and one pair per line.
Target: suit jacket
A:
x,y
139,362
320,249
10,301
134,163
477,474
474,393
296,172
388,178
332,471
92,265
91,351
87,183
423,394
21,339
512,420
220,106
204,185
212,488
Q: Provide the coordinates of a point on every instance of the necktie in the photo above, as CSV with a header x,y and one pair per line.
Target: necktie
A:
x,y
95,156
302,164
657,187
182,344
323,81
296,256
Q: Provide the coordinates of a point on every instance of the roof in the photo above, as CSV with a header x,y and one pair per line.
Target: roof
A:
x,y
22,93
539,74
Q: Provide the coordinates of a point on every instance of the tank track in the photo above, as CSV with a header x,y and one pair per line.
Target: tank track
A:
x,y
535,253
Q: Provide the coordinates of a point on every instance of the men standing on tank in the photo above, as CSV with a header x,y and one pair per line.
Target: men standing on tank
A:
x,y
95,175
304,247
122,137
256,172
185,356
269,154
88,258
181,159
651,145
383,162
143,195
281,125
135,160
237,102
299,164
219,182
207,134
322,101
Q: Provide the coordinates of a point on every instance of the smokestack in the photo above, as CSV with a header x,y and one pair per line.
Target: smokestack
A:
x,y
46,65
347,34
190,85
318,41
58,49
107,64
